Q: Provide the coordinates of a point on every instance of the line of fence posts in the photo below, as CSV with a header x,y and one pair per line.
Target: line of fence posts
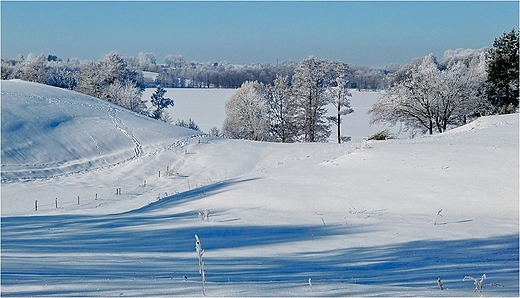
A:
x,y
78,200
118,192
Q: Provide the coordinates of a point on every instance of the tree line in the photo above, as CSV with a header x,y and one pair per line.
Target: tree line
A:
x,y
121,80
176,72
293,108
425,95
287,102
432,96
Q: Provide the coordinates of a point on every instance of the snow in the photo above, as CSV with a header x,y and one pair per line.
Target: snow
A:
x,y
150,75
356,218
207,108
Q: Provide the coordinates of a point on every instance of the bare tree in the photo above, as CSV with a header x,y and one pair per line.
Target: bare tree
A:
x,y
339,95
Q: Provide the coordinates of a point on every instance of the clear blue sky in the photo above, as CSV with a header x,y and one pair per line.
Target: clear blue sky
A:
x,y
362,33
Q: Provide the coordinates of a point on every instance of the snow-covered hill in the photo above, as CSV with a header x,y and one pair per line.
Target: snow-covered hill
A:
x,y
356,219
48,131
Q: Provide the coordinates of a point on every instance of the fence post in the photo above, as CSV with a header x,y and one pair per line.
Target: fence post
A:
x,y
35,205
56,202
96,197
78,200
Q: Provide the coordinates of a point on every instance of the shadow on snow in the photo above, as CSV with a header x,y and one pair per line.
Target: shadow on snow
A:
x,y
140,244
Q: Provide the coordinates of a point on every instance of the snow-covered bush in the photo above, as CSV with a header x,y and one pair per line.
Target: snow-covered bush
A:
x,y
204,215
381,136
187,124
478,282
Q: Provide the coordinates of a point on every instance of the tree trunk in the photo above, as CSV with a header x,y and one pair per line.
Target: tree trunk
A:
x,y
339,124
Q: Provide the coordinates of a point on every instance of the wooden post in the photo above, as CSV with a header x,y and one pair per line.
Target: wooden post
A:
x,y
35,205
78,200
159,174
56,202
96,197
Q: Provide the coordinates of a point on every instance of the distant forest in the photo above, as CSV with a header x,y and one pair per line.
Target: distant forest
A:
x,y
177,72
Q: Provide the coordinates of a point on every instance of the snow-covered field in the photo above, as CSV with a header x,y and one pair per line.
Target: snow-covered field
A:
x,y
207,108
204,106
355,219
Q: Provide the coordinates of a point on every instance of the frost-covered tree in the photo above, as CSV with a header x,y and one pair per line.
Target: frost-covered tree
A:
x,y
61,74
460,95
503,72
339,94
94,78
282,111
175,61
125,94
7,69
430,96
470,57
246,114
159,102
309,84
32,69
412,98
146,61
214,132
88,82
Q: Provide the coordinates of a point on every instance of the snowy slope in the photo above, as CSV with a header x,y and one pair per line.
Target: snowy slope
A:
x,y
49,131
357,218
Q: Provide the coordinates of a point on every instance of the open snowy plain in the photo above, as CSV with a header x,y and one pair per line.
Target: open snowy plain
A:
x,y
119,195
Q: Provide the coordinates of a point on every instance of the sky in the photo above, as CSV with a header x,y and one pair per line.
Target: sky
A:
x,y
361,33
